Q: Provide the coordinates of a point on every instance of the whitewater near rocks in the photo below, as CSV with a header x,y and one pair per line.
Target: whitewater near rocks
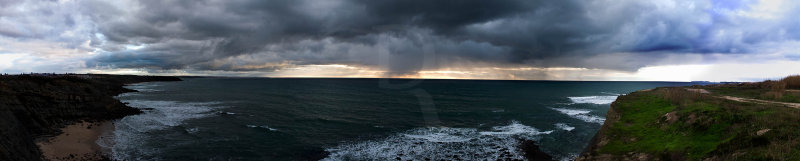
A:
x,y
355,119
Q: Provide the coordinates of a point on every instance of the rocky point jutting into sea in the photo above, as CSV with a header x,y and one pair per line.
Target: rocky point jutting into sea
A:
x,y
745,121
33,106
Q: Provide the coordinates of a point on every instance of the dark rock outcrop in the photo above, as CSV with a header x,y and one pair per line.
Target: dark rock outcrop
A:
x,y
532,151
591,152
33,106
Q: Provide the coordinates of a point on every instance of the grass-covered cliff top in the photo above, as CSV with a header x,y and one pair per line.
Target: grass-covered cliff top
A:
x,y
718,122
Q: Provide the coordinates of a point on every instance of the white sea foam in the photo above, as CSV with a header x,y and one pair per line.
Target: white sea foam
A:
x,y
514,128
127,94
225,113
144,87
193,130
581,114
106,140
569,157
130,131
149,90
166,114
141,87
437,143
263,127
572,112
564,126
440,135
594,99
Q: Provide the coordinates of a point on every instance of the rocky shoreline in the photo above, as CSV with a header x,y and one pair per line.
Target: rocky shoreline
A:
x,y
59,117
532,152
35,106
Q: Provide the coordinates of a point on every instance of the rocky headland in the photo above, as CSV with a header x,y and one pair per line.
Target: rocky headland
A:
x,y
743,121
34,106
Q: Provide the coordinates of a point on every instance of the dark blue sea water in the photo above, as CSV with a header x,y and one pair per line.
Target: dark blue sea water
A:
x,y
360,119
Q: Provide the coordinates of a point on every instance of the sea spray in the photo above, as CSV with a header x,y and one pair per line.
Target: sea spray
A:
x,y
131,132
441,143
594,99
581,114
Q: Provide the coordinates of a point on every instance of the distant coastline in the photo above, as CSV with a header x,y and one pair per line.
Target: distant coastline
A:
x,y
43,106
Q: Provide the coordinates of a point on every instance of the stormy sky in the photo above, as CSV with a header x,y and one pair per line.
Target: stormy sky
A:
x,y
680,40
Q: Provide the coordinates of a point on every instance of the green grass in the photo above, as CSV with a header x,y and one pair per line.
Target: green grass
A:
x,y
789,98
706,127
739,92
640,122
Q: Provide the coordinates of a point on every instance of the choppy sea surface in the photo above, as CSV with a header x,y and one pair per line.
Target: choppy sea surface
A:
x,y
360,119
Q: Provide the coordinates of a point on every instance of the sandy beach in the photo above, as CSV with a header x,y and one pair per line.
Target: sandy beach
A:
x,y
77,142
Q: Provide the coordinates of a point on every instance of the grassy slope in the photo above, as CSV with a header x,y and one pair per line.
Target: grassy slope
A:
x,y
702,127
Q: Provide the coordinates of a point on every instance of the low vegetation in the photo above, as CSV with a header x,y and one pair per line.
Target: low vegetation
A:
x,y
674,123
783,90
792,82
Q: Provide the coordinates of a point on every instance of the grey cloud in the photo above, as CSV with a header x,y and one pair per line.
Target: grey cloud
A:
x,y
398,35
48,27
245,27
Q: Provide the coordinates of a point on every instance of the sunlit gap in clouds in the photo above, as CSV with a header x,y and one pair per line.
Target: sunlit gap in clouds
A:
x,y
680,73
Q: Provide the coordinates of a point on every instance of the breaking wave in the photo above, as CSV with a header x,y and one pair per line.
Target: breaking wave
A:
x,y
130,131
564,126
581,115
594,99
262,127
441,143
144,87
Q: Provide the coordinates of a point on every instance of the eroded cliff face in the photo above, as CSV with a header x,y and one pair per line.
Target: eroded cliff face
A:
x,y
36,106
600,139
16,143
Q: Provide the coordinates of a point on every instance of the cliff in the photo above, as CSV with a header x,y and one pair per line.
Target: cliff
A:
x,y
33,106
717,122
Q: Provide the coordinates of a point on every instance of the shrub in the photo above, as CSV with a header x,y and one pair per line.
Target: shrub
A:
x,y
772,95
792,82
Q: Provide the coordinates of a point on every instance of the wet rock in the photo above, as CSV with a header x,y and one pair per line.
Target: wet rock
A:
x,y
532,151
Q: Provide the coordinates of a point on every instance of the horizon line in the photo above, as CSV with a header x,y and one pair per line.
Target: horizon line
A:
x,y
311,77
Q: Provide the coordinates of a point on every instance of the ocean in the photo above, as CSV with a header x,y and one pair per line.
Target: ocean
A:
x,y
360,119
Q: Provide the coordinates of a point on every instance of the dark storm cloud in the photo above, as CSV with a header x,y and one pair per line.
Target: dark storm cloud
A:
x,y
441,16
229,28
405,34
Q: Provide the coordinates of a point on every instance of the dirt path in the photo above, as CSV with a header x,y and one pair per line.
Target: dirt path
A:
x,y
739,99
698,90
